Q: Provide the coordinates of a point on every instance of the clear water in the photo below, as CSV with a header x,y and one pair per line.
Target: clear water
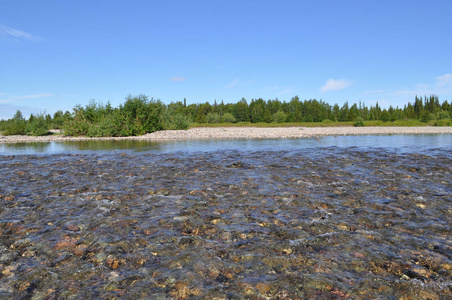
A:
x,y
403,143
350,217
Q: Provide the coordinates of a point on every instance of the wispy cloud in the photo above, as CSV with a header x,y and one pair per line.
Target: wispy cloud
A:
x,y
335,85
277,90
12,99
444,80
8,32
33,96
178,79
441,85
232,84
376,91
286,90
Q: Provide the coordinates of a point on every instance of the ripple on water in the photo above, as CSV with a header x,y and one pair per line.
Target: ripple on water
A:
x,y
328,223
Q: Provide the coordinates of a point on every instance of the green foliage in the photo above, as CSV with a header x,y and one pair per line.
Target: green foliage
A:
x,y
385,116
443,115
241,111
426,117
228,118
16,125
37,126
279,117
77,126
402,123
213,118
359,122
109,126
443,122
177,121
139,115
202,112
58,120
257,110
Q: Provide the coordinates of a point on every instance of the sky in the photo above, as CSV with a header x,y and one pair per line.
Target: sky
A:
x,y
57,54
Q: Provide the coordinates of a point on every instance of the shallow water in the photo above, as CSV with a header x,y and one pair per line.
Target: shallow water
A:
x,y
311,223
400,143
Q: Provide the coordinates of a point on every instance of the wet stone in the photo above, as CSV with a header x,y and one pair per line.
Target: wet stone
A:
x,y
332,223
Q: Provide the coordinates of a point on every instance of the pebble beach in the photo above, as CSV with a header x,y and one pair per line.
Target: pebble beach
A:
x,y
203,133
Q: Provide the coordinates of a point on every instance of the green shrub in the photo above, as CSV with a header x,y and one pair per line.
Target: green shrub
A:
x,y
384,116
180,122
140,115
426,116
279,117
443,122
392,118
16,125
15,128
327,121
172,120
443,115
359,122
58,120
78,126
228,118
109,126
37,126
213,118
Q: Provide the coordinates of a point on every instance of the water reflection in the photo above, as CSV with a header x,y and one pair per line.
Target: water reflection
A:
x,y
26,148
102,145
405,143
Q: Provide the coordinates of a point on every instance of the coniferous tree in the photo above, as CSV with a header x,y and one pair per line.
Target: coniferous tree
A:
x,y
418,107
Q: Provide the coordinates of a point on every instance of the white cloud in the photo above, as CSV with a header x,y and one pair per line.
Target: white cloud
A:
x,y
335,85
232,84
33,96
444,80
16,99
9,32
250,82
178,79
441,86
277,90
376,91
286,90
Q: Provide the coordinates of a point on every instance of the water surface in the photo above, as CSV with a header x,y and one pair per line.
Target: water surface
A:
x,y
409,143
333,218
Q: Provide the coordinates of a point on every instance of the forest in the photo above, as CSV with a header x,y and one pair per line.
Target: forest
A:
x,y
139,115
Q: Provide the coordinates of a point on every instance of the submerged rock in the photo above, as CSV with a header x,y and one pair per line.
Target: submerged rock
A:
x,y
325,224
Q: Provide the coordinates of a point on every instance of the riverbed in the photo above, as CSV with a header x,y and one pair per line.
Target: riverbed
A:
x,y
314,222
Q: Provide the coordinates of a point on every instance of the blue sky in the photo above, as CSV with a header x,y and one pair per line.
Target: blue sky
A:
x,y
57,54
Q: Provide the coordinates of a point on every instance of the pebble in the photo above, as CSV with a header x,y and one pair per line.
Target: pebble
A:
x,y
270,225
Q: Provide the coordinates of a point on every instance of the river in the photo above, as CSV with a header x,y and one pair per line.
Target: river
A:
x,y
329,218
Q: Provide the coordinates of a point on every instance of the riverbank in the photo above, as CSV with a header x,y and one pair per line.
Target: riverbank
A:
x,y
241,133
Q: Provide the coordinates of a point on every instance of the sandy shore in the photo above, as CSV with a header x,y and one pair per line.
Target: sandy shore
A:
x,y
243,133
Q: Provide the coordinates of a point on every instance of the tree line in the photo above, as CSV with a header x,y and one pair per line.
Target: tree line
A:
x,y
139,115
